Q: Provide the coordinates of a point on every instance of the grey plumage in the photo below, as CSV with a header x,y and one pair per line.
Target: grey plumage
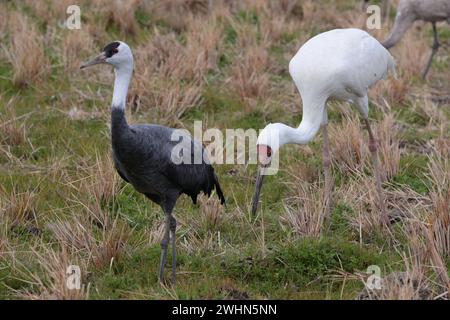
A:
x,y
143,153
142,156
409,11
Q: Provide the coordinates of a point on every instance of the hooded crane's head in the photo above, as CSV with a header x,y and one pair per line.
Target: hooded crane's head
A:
x,y
117,53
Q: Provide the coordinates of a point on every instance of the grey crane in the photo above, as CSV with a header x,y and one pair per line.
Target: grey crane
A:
x,y
411,10
144,156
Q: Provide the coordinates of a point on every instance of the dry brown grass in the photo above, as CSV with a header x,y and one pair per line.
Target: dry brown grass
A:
x,y
411,284
203,44
361,195
25,52
304,211
103,182
4,12
18,208
211,213
49,281
433,112
387,133
12,133
161,64
48,12
75,45
348,148
177,13
439,176
103,243
122,14
249,78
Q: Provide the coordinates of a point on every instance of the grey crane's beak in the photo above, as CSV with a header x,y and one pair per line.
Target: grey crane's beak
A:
x,y
101,58
264,157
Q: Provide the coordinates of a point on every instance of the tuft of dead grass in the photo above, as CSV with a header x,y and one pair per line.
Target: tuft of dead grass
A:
x,y
18,208
74,45
25,52
249,78
304,212
103,243
361,196
166,80
12,133
212,213
348,149
387,133
439,220
122,14
100,181
49,282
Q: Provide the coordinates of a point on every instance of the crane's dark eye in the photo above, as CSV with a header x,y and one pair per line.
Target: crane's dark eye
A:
x,y
111,49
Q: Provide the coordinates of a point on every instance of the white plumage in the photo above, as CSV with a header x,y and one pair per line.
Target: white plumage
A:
x,y
339,64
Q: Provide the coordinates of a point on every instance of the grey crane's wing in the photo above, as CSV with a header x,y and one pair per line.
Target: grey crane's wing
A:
x,y
119,168
189,166
174,155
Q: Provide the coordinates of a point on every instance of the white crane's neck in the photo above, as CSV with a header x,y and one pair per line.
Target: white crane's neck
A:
x,y
314,114
301,135
121,82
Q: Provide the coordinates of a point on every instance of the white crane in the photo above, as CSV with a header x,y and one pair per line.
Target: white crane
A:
x,y
339,64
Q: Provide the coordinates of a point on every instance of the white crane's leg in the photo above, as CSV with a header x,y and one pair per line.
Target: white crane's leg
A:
x,y
434,49
164,245
326,159
173,228
376,168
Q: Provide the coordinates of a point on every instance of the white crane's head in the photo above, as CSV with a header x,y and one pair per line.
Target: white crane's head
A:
x,y
270,139
117,53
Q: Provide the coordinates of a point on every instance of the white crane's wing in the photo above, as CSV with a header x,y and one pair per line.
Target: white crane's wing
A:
x,y
370,63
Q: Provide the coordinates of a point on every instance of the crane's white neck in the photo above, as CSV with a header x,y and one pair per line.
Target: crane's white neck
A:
x,y
314,114
121,82
278,134
301,135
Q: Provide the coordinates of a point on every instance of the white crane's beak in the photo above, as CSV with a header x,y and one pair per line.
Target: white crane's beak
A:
x,y
256,194
264,157
101,58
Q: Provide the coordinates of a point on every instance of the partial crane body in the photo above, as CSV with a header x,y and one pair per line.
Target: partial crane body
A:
x,y
409,11
143,153
339,64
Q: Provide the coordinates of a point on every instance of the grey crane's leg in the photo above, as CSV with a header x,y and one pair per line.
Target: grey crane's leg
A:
x,y
376,168
173,227
164,245
326,159
434,49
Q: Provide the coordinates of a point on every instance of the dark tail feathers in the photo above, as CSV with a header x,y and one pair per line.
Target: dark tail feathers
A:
x,y
219,190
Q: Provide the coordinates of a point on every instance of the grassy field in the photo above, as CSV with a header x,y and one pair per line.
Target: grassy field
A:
x,y
62,203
